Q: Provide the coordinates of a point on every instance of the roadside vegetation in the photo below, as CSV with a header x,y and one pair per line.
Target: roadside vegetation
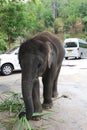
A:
x,y
20,19
11,104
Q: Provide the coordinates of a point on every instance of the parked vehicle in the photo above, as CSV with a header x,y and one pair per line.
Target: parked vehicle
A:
x,y
75,47
9,61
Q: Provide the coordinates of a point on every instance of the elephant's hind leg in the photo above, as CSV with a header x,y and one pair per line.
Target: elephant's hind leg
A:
x,y
47,90
55,91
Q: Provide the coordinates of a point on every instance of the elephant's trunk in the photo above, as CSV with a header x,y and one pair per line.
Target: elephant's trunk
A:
x,y
27,97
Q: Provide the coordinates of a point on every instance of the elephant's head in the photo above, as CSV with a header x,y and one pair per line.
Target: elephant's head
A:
x,y
34,57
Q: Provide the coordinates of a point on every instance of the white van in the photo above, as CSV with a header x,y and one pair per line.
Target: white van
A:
x,y
75,47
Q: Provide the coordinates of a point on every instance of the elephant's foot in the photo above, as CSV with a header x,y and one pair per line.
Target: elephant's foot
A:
x,y
36,118
55,94
37,114
47,106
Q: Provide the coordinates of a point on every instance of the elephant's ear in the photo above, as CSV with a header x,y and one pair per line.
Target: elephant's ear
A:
x,y
50,54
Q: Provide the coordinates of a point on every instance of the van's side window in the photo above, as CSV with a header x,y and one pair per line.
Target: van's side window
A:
x,y
82,45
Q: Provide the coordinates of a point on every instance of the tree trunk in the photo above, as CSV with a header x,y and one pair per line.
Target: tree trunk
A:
x,y
9,42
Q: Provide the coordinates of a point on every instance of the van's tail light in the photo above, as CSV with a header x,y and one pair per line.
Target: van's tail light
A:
x,y
78,49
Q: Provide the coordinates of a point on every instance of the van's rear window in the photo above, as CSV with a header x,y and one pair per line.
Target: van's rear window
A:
x,y
70,44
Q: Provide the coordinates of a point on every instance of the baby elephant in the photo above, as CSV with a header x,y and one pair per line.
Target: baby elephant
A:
x,y
42,56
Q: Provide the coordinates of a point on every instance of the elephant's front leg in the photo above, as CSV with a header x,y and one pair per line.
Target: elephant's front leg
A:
x,y
36,99
47,91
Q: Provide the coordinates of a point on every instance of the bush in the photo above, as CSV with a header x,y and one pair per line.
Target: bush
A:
x,y
3,46
67,35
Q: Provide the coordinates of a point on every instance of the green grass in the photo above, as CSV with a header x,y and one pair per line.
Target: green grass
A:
x,y
13,104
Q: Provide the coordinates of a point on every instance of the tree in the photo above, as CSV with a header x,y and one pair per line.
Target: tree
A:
x,y
13,20
84,20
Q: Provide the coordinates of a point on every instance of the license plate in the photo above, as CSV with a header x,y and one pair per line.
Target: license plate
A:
x,y
69,51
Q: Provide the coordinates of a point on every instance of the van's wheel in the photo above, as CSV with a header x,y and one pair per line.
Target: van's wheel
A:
x,y
66,58
81,55
6,69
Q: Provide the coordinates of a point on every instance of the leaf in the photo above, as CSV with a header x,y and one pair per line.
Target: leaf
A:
x,y
23,122
41,113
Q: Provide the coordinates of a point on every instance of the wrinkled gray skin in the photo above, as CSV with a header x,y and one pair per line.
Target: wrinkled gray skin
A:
x,y
41,55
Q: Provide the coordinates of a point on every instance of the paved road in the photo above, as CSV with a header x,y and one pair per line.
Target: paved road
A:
x,y
70,110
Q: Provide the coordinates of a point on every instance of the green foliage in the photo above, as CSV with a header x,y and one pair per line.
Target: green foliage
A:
x,y
67,36
56,25
84,20
12,102
2,2
83,9
3,46
15,19
66,26
19,18
48,18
